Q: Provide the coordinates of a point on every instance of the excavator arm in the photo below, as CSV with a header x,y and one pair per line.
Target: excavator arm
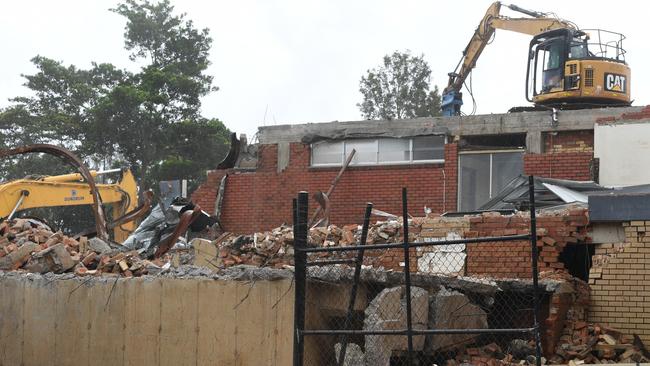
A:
x,y
536,24
70,190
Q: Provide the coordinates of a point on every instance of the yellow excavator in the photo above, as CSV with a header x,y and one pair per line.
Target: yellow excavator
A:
x,y
568,68
71,190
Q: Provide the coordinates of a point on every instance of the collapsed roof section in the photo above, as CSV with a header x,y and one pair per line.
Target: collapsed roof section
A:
x,y
550,193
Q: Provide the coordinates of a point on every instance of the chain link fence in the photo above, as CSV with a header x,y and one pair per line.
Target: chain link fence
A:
x,y
348,312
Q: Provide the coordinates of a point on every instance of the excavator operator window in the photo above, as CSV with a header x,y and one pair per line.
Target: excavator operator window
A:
x,y
551,56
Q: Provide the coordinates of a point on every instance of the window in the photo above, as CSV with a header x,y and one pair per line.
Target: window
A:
x,y
425,149
484,175
366,151
429,148
327,154
578,50
394,150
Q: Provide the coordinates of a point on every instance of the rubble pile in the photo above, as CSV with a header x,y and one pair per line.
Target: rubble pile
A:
x,y
275,248
594,343
30,246
492,354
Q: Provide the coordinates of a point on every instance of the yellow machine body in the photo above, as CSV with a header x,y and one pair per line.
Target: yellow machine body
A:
x,y
597,81
69,190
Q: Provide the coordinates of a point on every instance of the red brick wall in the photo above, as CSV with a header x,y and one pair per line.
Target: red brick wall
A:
x,y
567,155
574,165
261,200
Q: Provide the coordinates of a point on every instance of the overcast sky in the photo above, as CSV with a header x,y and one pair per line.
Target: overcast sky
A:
x,y
299,61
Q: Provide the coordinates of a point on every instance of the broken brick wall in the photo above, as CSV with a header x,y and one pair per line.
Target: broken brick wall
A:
x,y
261,200
620,282
511,259
569,141
206,195
567,313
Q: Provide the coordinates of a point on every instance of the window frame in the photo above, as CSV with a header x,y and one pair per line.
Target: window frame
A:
x,y
477,152
377,162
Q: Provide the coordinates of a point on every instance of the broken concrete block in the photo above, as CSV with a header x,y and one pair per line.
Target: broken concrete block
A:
x,y
453,310
53,259
98,246
387,311
353,354
205,253
18,257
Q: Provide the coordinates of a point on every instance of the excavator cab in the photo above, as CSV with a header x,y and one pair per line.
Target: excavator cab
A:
x,y
569,69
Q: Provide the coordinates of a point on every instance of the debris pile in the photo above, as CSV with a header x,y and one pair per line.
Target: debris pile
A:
x,y
594,343
515,352
31,246
274,248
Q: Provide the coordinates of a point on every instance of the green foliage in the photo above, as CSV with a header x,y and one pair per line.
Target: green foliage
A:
x,y
149,119
108,115
399,89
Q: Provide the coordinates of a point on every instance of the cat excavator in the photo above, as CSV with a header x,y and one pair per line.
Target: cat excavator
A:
x,y
568,68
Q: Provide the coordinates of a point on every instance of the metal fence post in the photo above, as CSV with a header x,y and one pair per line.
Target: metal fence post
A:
x,y
300,232
407,276
535,254
355,283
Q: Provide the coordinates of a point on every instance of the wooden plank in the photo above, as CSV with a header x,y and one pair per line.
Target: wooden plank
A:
x,y
11,320
217,323
39,329
142,318
106,322
178,335
72,322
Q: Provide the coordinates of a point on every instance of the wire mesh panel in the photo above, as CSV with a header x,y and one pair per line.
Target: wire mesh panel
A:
x,y
351,310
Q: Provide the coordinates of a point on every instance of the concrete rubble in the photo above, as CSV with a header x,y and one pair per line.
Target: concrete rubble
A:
x,y
354,356
440,301
29,246
387,311
453,310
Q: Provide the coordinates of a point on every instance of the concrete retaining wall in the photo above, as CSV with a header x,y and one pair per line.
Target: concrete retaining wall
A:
x,y
144,321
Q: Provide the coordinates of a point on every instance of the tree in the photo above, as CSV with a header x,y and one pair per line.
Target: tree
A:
x,y
149,119
399,89
111,116
141,113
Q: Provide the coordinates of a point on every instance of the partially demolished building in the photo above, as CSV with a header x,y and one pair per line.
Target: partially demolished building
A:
x,y
448,164
462,164
464,179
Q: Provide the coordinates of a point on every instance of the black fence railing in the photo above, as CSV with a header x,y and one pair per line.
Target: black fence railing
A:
x,y
366,321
